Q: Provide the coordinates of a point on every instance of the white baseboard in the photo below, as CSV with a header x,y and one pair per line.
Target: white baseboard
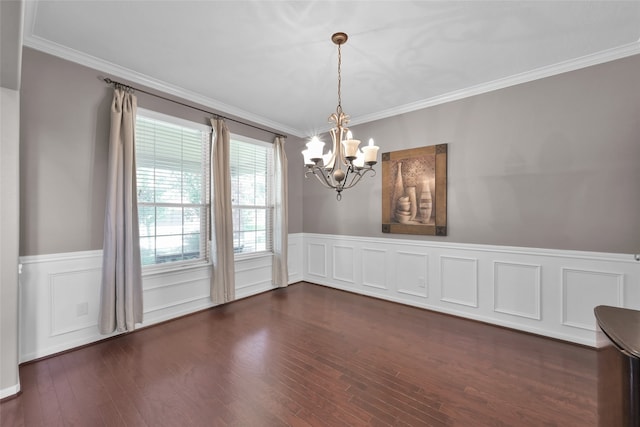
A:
x,y
10,391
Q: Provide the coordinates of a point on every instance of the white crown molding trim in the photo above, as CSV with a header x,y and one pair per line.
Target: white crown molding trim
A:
x,y
41,44
118,72
609,55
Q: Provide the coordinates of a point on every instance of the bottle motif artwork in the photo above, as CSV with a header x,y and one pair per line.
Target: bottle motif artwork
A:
x,y
398,193
426,203
413,205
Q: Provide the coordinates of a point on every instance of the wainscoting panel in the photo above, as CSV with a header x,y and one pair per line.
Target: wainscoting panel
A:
x,y
374,268
60,294
343,263
317,253
542,291
459,280
582,289
516,289
74,305
411,273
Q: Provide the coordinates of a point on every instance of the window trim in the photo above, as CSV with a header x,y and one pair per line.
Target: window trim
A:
x,y
179,121
270,207
153,269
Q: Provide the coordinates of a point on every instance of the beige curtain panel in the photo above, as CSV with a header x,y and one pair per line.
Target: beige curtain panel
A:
x,y
121,291
280,216
223,284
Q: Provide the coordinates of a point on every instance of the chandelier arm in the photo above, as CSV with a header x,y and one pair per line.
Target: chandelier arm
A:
x,y
358,176
354,180
323,178
319,173
324,184
346,175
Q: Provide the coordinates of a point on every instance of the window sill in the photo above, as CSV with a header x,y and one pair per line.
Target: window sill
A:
x,y
154,270
248,257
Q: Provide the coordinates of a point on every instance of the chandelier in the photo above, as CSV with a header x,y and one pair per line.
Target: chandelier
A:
x,y
345,164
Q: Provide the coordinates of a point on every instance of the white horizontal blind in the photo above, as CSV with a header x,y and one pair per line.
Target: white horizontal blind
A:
x,y
172,166
252,195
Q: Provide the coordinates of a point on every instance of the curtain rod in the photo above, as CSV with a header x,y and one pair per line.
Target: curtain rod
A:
x,y
109,81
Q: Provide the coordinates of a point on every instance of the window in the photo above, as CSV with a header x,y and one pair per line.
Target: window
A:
x,y
172,166
251,194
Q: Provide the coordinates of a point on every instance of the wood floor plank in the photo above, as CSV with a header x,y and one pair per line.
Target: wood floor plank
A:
x,y
306,356
12,413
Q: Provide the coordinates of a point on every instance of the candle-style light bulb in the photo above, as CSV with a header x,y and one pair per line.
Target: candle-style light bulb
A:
x,y
350,146
370,153
307,157
315,148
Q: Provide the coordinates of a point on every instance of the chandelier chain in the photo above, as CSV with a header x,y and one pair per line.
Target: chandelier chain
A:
x,y
339,79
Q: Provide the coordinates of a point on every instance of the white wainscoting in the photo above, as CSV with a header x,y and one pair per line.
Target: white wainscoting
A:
x,y
60,295
542,291
547,292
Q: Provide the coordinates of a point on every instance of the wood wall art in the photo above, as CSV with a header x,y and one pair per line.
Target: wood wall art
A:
x,y
414,191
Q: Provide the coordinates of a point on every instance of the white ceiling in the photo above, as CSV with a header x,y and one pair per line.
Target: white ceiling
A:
x,y
272,62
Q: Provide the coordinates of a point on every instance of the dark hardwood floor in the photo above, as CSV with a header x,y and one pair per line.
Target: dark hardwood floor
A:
x,y
311,355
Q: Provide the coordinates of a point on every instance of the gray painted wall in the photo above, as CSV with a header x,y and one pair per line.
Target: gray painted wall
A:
x,y
550,164
554,163
63,150
294,159
64,140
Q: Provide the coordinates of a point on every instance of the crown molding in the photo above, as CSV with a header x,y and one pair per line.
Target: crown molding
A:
x,y
117,72
38,43
613,54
